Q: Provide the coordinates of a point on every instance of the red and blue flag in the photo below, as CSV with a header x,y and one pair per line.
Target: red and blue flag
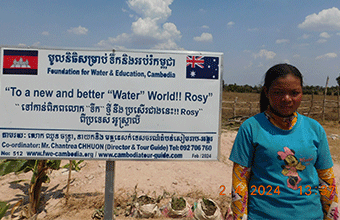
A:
x,y
20,62
201,67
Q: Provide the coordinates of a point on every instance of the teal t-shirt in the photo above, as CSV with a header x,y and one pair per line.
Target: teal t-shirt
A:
x,y
284,181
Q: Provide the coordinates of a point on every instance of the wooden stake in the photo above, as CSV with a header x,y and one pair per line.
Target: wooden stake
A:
x,y
234,107
311,104
68,181
324,100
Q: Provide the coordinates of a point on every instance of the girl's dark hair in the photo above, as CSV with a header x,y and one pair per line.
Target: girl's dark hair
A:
x,y
279,70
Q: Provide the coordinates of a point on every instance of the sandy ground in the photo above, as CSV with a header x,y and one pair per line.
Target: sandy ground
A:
x,y
189,179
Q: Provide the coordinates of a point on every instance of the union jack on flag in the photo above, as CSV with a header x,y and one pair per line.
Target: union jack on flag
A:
x,y
200,67
195,60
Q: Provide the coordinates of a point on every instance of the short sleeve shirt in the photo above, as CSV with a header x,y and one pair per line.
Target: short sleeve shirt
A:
x,y
284,181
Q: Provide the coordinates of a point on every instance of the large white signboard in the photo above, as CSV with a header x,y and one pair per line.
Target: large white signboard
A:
x,y
109,105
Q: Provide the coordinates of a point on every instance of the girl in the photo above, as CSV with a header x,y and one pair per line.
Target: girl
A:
x,y
282,163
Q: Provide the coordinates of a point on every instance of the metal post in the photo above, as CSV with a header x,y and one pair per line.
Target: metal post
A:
x,y
109,190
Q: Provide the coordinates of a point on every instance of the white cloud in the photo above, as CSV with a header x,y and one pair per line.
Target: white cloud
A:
x,y
265,53
120,38
322,41
282,41
327,19
150,29
45,33
170,44
305,36
145,26
206,37
230,24
325,35
296,56
249,65
338,34
303,45
253,29
170,31
78,30
260,65
158,9
113,41
36,44
327,56
205,27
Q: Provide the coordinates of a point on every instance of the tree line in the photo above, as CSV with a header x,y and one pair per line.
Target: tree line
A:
x,y
316,90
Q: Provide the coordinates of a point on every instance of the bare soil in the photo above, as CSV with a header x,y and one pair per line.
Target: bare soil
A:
x,y
157,179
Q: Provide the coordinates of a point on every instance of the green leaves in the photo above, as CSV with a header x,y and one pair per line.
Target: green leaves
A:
x,y
3,208
75,165
16,166
10,166
53,164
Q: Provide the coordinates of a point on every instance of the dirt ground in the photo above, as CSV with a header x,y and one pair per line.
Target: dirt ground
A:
x,y
192,180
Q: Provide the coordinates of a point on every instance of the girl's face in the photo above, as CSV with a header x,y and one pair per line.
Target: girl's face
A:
x,y
285,94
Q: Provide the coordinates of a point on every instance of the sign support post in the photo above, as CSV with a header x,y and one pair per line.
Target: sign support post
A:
x,y
109,190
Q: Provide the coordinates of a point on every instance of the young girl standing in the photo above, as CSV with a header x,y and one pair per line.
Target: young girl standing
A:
x,y
282,163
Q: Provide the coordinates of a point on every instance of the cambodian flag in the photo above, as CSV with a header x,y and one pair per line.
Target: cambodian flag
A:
x,y
200,67
21,62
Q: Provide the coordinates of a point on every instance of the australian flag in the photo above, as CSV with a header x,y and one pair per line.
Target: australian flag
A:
x,y
200,67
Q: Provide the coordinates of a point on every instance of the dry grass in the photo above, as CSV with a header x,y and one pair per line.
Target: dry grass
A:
x,y
330,115
333,127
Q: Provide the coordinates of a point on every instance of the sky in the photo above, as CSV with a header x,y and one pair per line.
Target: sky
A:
x,y
253,35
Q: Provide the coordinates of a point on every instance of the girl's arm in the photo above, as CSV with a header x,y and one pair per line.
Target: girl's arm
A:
x,y
240,182
329,194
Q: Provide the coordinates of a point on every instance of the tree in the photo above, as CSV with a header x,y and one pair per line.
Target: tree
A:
x,y
39,169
